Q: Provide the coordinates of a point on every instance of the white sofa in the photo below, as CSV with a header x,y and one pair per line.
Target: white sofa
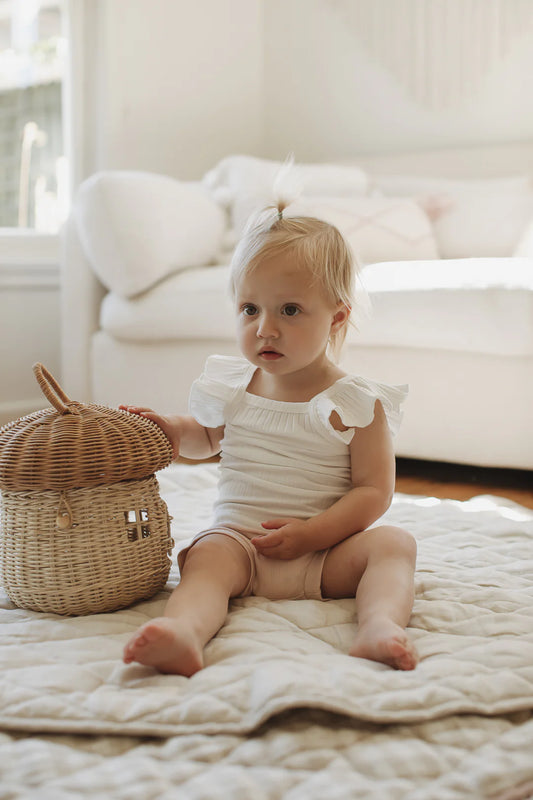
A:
x,y
447,264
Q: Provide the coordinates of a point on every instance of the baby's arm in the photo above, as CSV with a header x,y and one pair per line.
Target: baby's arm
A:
x,y
373,476
187,437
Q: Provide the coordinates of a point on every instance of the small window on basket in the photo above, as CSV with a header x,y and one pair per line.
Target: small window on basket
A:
x,y
137,526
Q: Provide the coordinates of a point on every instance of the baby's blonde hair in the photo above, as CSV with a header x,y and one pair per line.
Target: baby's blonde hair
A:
x,y
318,247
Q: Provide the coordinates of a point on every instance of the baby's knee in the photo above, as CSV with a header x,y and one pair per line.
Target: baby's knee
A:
x,y
216,549
220,556
396,541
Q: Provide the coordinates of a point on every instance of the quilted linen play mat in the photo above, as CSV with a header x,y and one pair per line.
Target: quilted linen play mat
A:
x,y
280,711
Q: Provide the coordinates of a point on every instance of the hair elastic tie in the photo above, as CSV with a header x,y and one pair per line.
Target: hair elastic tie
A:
x,y
280,214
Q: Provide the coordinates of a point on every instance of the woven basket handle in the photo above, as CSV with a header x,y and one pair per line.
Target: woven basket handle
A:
x,y
53,391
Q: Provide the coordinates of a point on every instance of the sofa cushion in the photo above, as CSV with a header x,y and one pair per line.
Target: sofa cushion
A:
x,y
244,184
193,304
138,227
471,305
478,305
377,228
470,217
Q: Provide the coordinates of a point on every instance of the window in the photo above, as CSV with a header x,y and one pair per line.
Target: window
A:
x,y
33,174
137,524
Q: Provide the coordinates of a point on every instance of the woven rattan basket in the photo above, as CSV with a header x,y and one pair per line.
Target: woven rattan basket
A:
x,y
83,527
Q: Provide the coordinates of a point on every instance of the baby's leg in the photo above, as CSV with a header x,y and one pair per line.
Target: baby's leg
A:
x,y
377,566
216,568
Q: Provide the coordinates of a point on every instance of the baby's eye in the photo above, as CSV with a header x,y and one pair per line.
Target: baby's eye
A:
x,y
291,310
249,309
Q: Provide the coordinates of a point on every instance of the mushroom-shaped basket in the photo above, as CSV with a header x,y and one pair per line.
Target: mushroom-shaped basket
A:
x,y
83,527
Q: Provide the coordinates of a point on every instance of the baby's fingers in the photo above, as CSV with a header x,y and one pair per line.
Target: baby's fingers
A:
x,y
139,410
267,541
274,524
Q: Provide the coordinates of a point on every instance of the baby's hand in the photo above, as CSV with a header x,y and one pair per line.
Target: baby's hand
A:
x,y
167,424
288,539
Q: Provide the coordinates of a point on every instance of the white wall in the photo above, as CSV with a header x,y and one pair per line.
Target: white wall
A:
x,y
29,321
174,85
177,85
327,96
180,83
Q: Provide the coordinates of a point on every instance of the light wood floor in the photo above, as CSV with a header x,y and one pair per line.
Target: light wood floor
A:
x,y
460,482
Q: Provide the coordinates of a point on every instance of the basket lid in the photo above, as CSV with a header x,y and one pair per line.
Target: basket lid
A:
x,y
74,445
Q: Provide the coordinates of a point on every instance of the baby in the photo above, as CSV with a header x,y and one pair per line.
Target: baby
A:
x,y
307,462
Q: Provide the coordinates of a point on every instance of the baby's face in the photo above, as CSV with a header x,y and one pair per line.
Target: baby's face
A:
x,y
284,320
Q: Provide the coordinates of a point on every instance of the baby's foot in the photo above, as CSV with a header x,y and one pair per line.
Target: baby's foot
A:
x,y
167,645
387,642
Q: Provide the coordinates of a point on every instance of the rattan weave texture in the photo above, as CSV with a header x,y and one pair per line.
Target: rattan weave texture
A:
x,y
78,445
114,551
83,528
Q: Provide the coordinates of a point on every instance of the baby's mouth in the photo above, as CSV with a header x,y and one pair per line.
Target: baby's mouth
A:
x,y
269,354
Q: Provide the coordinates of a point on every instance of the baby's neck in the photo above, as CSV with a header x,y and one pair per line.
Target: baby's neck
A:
x,y
295,387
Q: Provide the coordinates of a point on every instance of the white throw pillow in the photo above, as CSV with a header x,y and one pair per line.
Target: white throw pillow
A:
x,y
244,184
138,227
377,228
471,218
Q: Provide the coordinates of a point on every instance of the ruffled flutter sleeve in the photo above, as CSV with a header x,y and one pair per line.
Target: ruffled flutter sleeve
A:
x,y
215,388
354,400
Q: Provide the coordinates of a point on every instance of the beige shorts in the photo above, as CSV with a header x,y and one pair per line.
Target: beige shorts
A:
x,y
275,579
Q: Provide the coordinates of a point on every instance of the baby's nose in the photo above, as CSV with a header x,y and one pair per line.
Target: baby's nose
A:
x,y
267,327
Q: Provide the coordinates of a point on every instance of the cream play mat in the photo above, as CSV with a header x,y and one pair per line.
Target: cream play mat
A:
x,y
280,710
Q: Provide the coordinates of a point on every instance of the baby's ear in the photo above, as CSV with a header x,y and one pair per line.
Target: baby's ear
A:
x,y
340,317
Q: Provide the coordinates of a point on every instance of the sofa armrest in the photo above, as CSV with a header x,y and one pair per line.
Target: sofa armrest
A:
x,y
81,296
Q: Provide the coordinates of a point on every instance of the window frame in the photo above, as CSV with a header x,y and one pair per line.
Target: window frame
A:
x,y
32,257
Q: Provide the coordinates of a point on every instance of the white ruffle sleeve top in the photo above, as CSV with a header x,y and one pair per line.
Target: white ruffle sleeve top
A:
x,y
282,459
